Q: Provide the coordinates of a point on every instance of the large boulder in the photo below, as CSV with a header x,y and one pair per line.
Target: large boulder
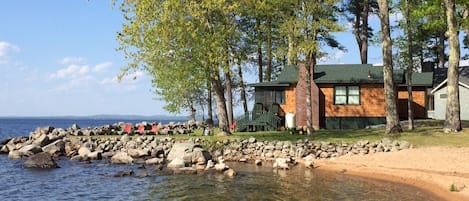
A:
x,y
177,163
281,163
84,151
180,149
55,148
15,154
42,140
30,148
200,156
40,160
138,153
122,158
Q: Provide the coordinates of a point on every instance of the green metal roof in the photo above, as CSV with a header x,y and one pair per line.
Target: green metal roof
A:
x,y
288,76
346,74
424,79
352,74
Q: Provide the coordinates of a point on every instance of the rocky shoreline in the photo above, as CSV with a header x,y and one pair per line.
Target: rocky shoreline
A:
x,y
168,155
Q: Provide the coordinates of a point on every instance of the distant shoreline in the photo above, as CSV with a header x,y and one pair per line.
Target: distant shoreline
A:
x,y
104,117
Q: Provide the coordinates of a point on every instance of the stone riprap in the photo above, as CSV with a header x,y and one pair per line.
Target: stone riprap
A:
x,y
189,155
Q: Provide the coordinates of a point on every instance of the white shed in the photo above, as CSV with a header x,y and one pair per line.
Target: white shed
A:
x,y
440,96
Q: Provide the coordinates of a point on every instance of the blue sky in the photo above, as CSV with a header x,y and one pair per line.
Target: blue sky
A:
x,y
59,58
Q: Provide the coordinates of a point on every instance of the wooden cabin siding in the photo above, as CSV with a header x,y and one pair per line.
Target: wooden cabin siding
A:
x,y
372,103
419,103
290,100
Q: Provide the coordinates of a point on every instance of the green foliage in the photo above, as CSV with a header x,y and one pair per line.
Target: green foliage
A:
x,y
453,188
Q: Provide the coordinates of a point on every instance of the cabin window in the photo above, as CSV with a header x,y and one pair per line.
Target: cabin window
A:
x,y
443,96
269,96
279,97
346,95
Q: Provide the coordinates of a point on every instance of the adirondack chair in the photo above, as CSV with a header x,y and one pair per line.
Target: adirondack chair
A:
x,y
141,129
154,129
128,128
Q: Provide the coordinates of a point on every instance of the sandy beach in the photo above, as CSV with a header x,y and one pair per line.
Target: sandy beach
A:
x,y
434,169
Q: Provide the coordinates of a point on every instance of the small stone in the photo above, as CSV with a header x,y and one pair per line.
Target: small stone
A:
x,y
230,172
258,162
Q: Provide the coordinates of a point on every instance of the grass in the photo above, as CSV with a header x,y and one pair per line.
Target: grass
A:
x,y
427,133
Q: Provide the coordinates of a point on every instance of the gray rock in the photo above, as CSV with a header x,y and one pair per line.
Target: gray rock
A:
x,y
154,161
252,140
230,172
121,158
281,163
55,148
40,160
95,155
75,127
176,163
258,162
15,154
200,156
42,140
309,161
179,150
221,167
4,149
84,151
137,153
30,148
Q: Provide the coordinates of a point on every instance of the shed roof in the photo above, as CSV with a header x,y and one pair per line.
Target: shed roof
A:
x,y
463,78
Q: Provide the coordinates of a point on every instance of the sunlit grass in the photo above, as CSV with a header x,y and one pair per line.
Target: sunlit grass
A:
x,y
427,133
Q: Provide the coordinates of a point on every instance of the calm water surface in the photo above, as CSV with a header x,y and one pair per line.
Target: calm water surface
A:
x,y
81,181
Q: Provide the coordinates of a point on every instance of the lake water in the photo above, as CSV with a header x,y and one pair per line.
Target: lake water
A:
x,y
94,181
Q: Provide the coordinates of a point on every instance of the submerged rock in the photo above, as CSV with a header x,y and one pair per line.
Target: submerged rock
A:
x,y
40,160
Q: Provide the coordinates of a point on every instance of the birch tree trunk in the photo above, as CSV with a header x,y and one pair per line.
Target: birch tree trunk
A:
x,y
242,89
221,103
410,63
392,119
453,118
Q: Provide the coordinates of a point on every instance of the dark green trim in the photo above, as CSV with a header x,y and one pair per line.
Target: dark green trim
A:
x,y
353,122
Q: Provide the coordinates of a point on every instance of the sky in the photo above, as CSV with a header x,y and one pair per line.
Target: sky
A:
x,y
59,58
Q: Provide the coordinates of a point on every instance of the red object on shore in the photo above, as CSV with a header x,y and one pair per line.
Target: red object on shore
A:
x,y
141,129
154,129
127,128
233,125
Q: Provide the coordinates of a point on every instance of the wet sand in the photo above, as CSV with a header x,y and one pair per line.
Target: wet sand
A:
x,y
433,169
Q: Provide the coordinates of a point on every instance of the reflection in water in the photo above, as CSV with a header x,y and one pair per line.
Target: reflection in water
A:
x,y
261,183
80,181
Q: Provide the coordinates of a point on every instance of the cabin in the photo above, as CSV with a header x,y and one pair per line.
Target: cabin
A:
x,y
440,94
344,96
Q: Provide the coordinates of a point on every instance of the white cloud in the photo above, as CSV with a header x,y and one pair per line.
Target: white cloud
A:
x,y
6,48
109,81
127,83
72,71
79,82
102,67
71,60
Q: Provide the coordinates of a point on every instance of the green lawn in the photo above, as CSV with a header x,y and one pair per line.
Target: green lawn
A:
x,y
428,133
